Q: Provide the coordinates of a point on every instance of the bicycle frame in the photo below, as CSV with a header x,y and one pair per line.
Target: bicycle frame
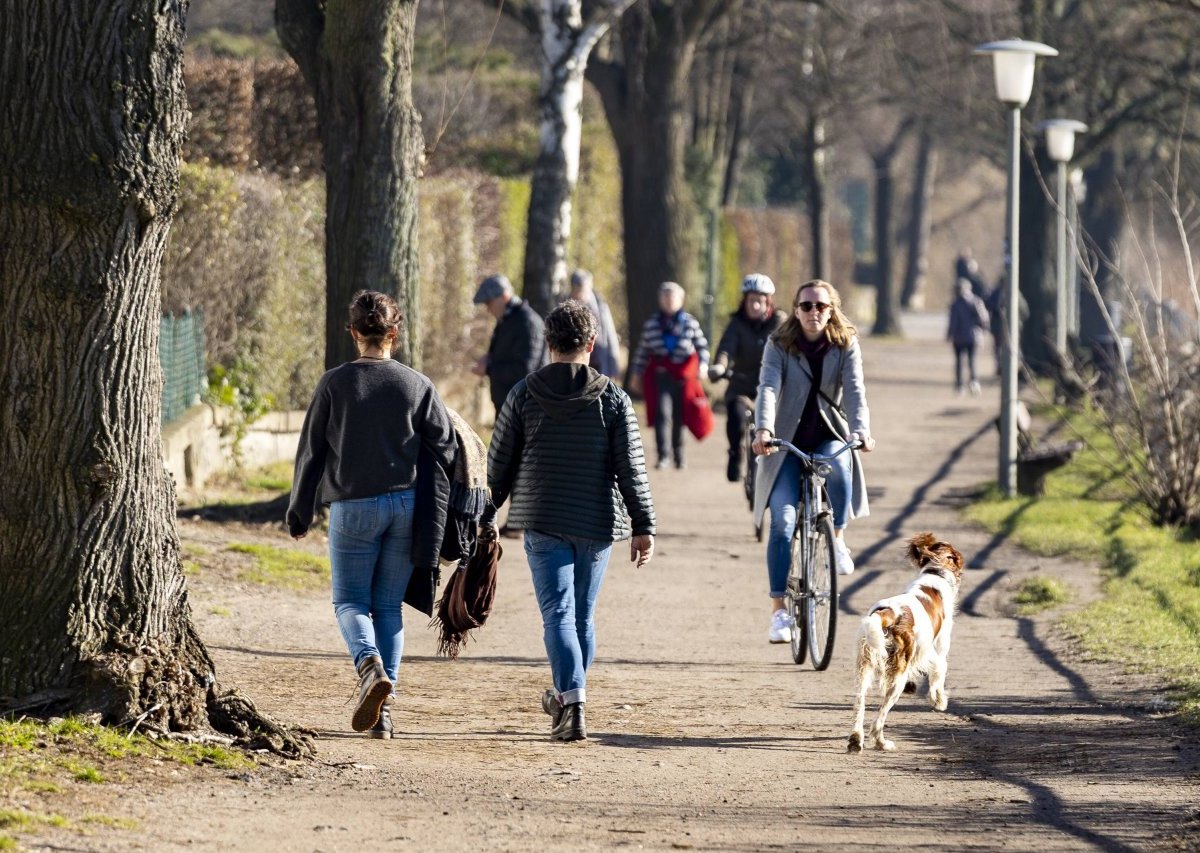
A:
x,y
807,593
811,505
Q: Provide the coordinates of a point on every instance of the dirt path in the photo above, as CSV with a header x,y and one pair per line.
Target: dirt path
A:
x,y
702,735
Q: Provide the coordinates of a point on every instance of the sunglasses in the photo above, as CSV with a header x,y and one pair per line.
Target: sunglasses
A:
x,y
809,306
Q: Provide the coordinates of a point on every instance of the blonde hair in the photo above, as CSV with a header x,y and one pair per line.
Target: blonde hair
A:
x,y
839,330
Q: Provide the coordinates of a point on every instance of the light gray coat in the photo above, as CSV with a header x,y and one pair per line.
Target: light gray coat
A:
x,y
783,386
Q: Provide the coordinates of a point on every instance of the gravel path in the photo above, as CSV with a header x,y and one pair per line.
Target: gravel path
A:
x,y
702,735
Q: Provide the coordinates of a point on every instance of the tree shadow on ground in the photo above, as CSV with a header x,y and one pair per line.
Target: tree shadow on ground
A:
x,y
253,512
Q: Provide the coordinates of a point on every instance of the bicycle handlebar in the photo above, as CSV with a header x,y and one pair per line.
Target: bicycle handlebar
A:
x,y
813,457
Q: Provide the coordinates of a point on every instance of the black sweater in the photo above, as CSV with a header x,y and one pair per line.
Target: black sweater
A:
x,y
567,449
363,434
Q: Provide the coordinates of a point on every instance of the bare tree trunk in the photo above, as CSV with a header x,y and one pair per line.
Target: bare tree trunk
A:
x,y
739,141
1103,217
924,178
357,58
887,298
1037,265
816,183
93,607
566,45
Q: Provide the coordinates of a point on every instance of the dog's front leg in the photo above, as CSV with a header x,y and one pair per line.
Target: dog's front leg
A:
x,y
938,697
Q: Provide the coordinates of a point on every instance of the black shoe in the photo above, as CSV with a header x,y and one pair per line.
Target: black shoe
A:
x,y
570,725
552,706
382,729
373,688
733,471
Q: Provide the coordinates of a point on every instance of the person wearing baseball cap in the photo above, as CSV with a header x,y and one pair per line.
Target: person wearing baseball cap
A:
x,y
739,357
518,344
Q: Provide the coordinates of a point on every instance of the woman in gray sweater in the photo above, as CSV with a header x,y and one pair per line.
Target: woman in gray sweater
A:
x,y
358,452
567,449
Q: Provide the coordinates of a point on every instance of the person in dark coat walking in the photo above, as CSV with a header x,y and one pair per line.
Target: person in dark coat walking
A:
x,y
606,355
517,348
567,451
968,319
367,427
739,357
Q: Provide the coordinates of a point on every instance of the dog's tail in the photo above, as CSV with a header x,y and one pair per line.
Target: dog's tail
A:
x,y
874,631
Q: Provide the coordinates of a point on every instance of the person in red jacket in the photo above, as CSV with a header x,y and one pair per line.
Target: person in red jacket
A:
x,y
670,358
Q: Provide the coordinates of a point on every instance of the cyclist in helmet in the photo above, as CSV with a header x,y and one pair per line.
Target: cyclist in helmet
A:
x,y
739,356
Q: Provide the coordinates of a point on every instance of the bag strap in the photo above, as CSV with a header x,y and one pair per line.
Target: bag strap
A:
x,y
837,407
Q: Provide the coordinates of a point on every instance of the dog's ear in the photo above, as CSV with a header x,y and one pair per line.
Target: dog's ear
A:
x,y
919,549
954,556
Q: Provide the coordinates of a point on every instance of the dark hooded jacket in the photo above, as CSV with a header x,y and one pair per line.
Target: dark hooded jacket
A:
x,y
567,450
741,350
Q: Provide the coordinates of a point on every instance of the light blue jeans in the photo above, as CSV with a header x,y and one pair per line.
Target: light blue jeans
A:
x,y
782,503
567,572
370,552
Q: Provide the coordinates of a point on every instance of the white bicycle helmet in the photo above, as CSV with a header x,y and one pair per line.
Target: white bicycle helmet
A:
x,y
756,282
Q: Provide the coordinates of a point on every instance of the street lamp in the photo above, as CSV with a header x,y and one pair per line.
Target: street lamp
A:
x,y
1013,65
1060,145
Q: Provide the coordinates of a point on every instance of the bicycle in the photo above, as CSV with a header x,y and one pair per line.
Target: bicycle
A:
x,y
811,595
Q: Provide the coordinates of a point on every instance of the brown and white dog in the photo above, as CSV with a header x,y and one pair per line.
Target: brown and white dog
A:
x,y
907,635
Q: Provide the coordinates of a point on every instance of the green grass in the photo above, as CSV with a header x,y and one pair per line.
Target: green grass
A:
x,y
1149,618
1040,593
42,761
283,567
271,478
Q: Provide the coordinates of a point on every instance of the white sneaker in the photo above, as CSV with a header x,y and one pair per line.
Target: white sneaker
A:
x,y
975,389
841,558
781,627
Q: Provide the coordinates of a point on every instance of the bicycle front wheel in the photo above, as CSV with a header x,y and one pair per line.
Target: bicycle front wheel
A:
x,y
794,598
820,595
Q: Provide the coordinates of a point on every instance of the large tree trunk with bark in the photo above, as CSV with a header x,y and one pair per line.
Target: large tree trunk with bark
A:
x,y
357,58
920,223
93,607
645,101
94,614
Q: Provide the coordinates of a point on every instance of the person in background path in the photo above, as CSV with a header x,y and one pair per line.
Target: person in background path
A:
x,y
606,355
817,340
567,450
739,357
517,347
968,319
965,266
995,304
365,428
672,352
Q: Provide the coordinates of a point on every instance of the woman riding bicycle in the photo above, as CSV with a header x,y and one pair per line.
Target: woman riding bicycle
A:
x,y
818,417
739,357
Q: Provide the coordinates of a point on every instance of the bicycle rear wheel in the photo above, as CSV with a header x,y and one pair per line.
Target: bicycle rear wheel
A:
x,y
794,598
820,599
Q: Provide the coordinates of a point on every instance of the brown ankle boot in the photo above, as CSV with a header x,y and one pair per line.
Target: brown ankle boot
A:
x,y
570,725
382,729
373,688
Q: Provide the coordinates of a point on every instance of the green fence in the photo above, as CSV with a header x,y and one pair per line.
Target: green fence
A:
x,y
181,353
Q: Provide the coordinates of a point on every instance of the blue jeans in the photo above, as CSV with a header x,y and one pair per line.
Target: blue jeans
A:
x,y
567,571
370,552
782,503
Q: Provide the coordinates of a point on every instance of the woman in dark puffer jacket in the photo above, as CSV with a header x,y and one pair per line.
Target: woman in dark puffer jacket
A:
x,y
566,448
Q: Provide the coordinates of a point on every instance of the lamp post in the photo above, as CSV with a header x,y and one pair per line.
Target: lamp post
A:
x,y
1060,145
1013,63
